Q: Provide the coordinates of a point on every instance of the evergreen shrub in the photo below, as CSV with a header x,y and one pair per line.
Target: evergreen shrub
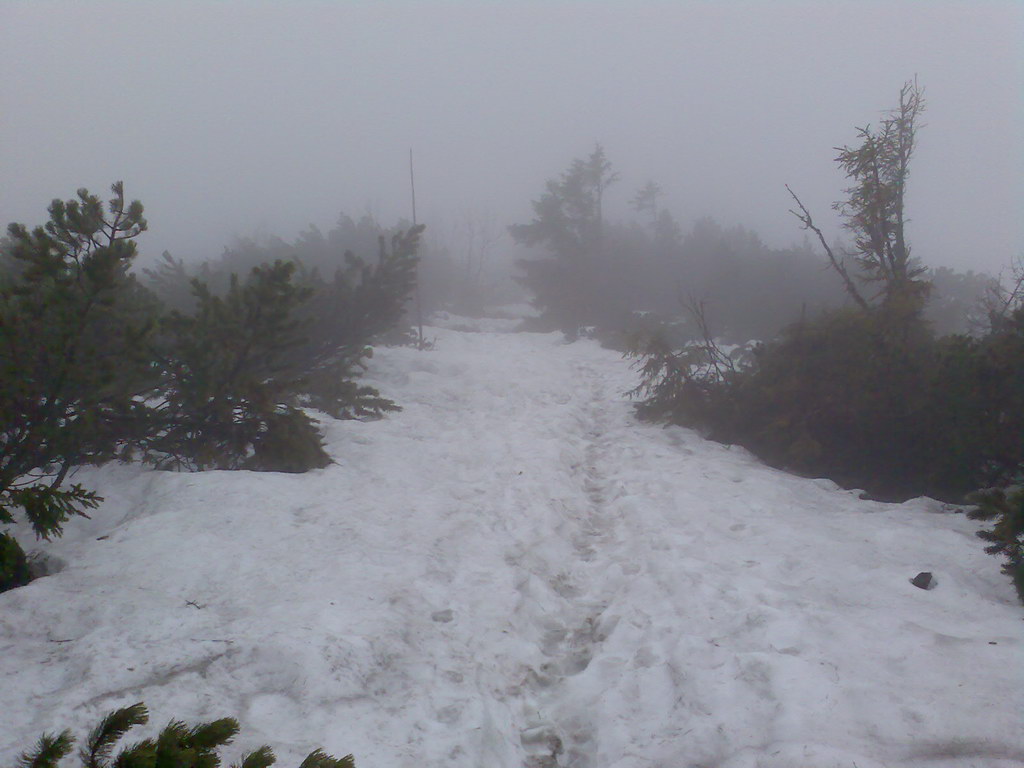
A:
x,y
239,367
344,318
224,401
899,414
331,323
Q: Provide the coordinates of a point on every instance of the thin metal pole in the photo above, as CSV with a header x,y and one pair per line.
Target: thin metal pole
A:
x,y
412,186
419,303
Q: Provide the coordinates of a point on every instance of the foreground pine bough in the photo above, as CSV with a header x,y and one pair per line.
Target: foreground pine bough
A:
x,y
177,746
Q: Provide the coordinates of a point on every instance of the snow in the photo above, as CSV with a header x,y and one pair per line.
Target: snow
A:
x,y
513,571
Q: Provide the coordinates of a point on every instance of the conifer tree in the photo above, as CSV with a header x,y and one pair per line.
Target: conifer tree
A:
x,y
73,325
345,316
569,223
646,201
228,380
240,365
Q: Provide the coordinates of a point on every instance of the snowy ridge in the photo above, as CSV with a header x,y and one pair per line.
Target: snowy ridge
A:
x,y
514,572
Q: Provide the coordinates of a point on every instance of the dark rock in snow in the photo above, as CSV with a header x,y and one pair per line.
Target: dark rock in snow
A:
x,y
923,580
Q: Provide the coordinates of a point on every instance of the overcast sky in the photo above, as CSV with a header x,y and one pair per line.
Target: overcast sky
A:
x,y
242,118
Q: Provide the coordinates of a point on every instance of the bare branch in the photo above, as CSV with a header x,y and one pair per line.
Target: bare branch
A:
x,y
1001,300
837,264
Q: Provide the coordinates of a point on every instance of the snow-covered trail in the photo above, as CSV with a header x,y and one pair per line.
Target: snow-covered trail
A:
x,y
513,571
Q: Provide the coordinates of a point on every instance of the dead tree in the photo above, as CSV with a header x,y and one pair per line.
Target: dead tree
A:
x,y
874,211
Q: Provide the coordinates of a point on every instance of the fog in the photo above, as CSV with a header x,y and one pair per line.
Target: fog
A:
x,y
240,119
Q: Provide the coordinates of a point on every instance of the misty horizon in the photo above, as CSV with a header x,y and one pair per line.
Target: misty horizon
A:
x,y
240,120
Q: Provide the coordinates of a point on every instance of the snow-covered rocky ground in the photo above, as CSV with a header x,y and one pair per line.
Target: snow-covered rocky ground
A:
x,y
513,571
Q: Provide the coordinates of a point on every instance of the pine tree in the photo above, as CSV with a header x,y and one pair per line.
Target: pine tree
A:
x,y
344,318
569,223
225,400
646,201
73,358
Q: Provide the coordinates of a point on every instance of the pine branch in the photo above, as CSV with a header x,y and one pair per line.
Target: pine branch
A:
x,y
209,736
111,728
49,751
260,758
320,759
139,755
